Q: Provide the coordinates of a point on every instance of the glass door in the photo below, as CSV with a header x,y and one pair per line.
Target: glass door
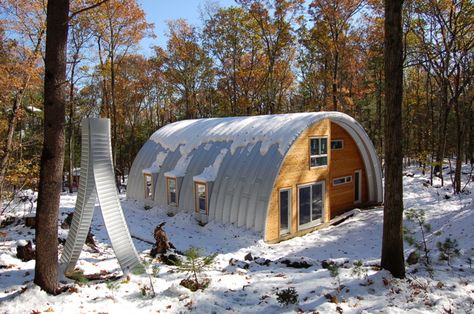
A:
x,y
310,204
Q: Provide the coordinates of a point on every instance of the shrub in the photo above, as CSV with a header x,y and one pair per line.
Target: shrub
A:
x,y
418,217
287,296
448,250
193,264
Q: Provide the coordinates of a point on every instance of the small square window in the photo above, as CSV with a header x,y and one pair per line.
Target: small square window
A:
x,y
337,144
318,148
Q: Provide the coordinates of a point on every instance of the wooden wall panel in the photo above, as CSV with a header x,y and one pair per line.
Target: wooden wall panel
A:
x,y
345,162
295,170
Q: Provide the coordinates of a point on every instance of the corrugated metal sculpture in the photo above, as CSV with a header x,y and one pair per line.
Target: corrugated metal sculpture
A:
x,y
97,181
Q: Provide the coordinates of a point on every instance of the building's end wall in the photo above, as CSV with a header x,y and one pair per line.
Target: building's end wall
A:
x,y
345,162
296,171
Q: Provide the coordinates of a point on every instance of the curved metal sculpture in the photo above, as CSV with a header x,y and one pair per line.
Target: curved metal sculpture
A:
x,y
97,181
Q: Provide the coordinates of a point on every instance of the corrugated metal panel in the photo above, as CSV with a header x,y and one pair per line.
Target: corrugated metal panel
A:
x,y
243,185
98,180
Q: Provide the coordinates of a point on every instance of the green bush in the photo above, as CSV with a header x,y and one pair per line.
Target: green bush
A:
x,y
287,296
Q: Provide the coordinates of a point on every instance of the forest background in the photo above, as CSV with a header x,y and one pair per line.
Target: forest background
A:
x,y
256,57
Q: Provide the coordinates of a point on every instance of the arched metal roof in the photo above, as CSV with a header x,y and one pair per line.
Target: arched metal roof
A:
x,y
242,155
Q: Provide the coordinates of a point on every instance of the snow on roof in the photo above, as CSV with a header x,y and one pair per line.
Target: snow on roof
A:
x,y
156,165
181,166
278,129
210,173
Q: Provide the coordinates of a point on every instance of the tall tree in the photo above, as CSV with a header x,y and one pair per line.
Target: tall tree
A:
x,y
333,17
392,245
186,66
119,25
52,158
25,19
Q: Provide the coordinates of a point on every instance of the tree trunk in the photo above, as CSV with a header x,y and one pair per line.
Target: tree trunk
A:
x,y
71,123
392,245
52,157
334,81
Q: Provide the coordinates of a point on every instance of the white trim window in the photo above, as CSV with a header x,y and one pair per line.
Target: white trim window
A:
x,y
172,191
310,204
337,144
318,152
148,184
201,198
341,180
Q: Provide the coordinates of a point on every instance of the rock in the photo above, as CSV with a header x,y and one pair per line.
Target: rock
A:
x,y
262,261
169,259
25,252
337,261
413,258
296,264
248,257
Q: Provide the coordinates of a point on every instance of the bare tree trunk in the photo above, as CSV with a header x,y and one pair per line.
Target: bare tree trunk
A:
x,y
392,245
334,81
52,157
71,123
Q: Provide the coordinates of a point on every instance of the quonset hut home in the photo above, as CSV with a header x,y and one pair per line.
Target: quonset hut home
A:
x,y
282,175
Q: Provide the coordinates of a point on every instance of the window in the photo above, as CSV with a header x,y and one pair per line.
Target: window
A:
x,y
311,204
318,148
148,184
337,144
200,196
342,180
285,210
172,191
357,185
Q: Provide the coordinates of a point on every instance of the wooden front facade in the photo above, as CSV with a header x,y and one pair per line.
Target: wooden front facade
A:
x,y
300,180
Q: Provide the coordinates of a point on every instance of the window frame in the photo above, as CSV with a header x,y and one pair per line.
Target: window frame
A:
x,y
290,203
318,155
312,223
347,179
337,140
168,192
148,193
359,200
196,198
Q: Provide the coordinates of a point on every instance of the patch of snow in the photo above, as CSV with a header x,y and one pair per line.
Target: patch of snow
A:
x,y
210,173
21,242
180,168
250,286
156,165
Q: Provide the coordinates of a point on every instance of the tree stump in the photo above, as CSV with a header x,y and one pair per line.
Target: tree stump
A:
x,y
162,244
25,252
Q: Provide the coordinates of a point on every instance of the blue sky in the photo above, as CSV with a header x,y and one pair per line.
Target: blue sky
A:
x,y
160,11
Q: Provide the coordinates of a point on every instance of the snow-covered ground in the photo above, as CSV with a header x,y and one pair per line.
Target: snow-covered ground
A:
x,y
250,286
